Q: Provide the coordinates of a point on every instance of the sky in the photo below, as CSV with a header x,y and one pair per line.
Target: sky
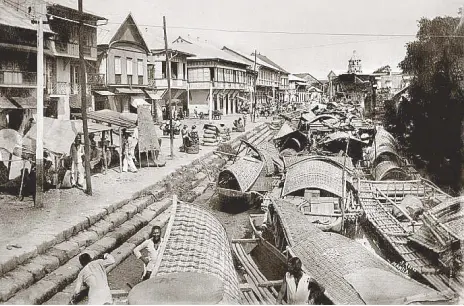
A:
x,y
297,53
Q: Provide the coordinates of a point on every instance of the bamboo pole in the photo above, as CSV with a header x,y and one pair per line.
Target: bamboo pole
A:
x,y
342,206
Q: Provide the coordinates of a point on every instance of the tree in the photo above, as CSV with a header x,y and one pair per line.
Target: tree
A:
x,y
433,115
383,69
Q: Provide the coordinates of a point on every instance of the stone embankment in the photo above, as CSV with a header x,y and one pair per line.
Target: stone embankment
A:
x,y
46,273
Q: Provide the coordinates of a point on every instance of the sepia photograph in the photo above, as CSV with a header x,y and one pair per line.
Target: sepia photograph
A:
x,y
250,152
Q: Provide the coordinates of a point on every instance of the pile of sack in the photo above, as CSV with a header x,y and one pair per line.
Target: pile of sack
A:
x,y
210,135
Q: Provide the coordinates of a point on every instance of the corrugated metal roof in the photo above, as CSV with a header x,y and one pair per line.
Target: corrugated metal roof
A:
x,y
13,18
250,59
203,51
73,4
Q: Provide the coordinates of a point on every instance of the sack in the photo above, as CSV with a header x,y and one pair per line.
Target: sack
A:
x,y
209,132
210,140
209,136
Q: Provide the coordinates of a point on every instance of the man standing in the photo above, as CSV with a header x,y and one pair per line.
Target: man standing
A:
x,y
128,152
93,276
185,137
295,285
152,246
77,167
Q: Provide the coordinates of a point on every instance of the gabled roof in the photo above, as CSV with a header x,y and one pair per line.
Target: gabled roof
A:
x,y
267,60
295,78
16,19
110,32
155,40
308,77
203,51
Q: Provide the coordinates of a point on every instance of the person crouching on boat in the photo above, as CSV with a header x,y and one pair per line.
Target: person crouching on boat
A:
x,y
267,227
295,285
152,245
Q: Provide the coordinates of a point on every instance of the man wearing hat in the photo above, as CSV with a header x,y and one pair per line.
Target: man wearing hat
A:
x,y
185,137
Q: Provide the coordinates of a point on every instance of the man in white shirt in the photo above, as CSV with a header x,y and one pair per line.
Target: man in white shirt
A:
x,y
93,276
152,245
295,285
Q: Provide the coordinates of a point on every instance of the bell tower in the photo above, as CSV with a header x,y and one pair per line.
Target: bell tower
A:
x,y
354,64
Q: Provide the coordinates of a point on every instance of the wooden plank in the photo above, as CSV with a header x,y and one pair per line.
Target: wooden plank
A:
x,y
243,240
270,283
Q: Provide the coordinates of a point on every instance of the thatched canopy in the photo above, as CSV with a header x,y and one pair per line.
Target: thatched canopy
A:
x,y
388,170
384,152
340,264
196,266
241,175
285,129
314,173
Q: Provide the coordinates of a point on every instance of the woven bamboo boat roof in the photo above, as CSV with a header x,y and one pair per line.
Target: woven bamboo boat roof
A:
x,y
289,161
285,129
313,173
268,154
451,214
325,117
198,243
380,150
245,171
331,258
386,168
383,136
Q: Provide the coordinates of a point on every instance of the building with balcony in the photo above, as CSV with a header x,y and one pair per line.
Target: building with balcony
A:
x,y
122,62
18,63
157,75
271,81
215,77
63,84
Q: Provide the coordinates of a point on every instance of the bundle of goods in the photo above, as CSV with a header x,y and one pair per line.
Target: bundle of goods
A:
x,y
224,133
210,135
194,147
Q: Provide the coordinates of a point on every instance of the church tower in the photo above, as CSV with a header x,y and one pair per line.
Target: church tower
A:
x,y
354,64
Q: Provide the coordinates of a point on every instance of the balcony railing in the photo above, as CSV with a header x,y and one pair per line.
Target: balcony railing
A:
x,y
65,88
161,83
90,51
96,79
67,48
18,78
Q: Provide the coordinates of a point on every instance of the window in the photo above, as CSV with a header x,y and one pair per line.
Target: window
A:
x,y
117,65
173,70
199,75
140,67
140,80
185,71
163,69
117,79
129,79
211,73
129,66
220,75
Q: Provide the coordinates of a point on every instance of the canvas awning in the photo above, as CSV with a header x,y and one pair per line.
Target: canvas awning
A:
x,y
124,120
137,101
130,91
27,103
104,93
6,104
156,94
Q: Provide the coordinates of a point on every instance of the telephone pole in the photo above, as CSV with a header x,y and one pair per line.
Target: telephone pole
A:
x,y
83,90
168,75
39,140
253,104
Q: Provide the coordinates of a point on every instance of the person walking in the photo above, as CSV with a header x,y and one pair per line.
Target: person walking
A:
x,y
152,245
93,276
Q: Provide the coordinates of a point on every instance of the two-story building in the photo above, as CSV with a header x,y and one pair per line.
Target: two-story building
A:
x,y
157,75
122,64
298,90
268,79
282,79
63,82
216,78
18,63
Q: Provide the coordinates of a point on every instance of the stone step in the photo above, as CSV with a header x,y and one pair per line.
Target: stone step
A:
x,y
129,234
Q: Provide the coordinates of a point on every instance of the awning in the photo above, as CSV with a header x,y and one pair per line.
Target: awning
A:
x,y
6,104
103,93
130,91
28,103
137,101
156,94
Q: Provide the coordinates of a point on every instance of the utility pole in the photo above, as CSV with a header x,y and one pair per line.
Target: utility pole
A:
x,y
168,75
39,163
253,105
83,90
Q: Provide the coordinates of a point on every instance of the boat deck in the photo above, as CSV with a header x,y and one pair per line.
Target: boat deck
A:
x,y
393,231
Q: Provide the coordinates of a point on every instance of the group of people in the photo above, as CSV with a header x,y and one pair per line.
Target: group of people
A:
x,y
189,136
92,280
